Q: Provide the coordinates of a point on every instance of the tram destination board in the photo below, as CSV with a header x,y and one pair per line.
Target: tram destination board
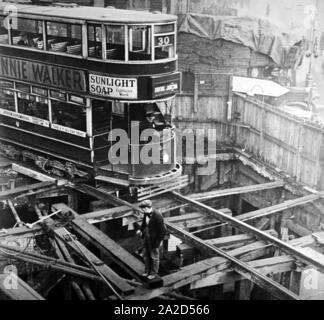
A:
x,y
165,85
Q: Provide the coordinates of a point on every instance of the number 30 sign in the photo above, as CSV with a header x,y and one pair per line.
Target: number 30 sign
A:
x,y
162,41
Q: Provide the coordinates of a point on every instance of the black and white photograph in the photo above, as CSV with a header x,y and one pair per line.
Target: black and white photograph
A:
x,y
162,155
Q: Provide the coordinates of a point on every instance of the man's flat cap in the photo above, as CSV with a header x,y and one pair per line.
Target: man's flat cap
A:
x,y
146,204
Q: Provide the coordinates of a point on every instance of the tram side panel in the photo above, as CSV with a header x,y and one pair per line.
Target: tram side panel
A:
x,y
45,140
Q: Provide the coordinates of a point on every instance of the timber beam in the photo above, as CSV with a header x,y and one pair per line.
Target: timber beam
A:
x,y
31,173
232,242
49,263
102,195
266,212
20,232
273,265
268,266
235,191
119,283
269,211
246,228
274,288
12,193
181,278
100,240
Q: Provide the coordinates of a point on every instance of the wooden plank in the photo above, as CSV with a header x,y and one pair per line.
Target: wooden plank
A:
x,y
20,232
240,239
270,211
268,266
266,212
49,262
252,251
298,229
103,195
12,193
197,223
181,278
185,217
118,282
191,216
100,240
22,292
313,254
119,182
300,148
264,264
63,254
235,191
107,214
52,191
124,211
163,188
32,173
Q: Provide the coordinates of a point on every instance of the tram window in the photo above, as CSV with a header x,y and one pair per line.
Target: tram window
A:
x,y
39,91
7,99
58,95
139,43
4,39
164,46
33,106
115,42
94,41
27,33
69,115
101,113
64,37
22,87
55,29
164,28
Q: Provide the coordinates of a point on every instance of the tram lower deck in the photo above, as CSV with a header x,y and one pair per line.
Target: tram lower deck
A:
x,y
108,138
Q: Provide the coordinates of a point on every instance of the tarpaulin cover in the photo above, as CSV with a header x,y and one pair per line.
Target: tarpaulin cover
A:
x,y
252,86
258,34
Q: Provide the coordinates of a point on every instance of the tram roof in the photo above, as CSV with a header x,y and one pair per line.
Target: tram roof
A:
x,y
89,13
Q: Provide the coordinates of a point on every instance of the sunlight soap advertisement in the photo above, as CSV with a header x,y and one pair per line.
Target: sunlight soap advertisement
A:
x,y
124,88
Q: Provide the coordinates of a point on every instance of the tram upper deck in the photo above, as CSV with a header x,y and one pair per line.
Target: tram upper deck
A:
x,y
96,42
104,34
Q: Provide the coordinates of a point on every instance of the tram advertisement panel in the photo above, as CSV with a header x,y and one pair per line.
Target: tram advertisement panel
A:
x,y
50,75
123,88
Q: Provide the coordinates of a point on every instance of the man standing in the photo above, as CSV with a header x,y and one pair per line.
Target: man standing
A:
x,y
152,231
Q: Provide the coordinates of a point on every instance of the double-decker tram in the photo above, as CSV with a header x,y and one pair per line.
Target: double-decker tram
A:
x,y
72,76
